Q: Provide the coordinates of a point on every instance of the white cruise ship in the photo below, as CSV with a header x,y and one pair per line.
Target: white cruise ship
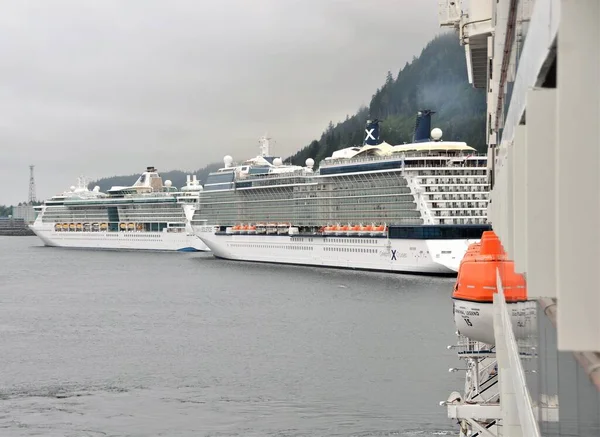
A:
x,y
406,208
146,216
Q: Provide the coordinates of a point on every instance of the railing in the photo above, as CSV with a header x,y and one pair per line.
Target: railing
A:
x,y
518,417
396,157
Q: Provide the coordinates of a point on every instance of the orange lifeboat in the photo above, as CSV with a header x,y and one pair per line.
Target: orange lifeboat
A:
x,y
354,230
328,230
236,229
476,285
252,229
377,230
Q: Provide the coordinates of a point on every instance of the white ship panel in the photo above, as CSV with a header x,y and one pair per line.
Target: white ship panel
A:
x,y
376,253
136,240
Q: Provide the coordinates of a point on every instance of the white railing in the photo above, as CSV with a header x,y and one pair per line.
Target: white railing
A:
x,y
517,409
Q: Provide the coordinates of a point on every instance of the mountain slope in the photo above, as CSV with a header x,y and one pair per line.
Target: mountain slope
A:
x,y
436,80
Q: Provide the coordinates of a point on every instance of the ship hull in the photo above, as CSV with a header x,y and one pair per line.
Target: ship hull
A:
x,y
134,240
364,253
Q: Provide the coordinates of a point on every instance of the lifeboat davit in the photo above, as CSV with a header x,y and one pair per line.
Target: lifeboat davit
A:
x,y
476,285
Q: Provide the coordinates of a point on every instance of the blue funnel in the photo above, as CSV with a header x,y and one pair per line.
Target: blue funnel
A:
x,y
423,126
372,133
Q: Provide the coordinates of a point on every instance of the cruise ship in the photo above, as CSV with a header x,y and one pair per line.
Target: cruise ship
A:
x,y
148,215
404,208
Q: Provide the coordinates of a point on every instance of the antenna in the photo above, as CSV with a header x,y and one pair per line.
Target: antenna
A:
x,y
264,145
32,197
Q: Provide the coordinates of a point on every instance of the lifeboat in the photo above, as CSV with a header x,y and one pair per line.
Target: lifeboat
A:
x,y
476,285
123,226
103,226
363,230
261,228
131,226
139,227
72,226
328,230
79,226
243,229
354,230
65,226
95,226
377,231
271,228
236,229
252,229
283,228
57,227
342,230
86,227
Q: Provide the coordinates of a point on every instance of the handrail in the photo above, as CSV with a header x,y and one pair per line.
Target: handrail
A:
x,y
514,372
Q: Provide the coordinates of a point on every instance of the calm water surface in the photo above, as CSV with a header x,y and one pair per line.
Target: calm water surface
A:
x,y
99,343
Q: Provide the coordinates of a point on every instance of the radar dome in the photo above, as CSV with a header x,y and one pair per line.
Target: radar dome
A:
x,y
227,160
277,162
168,183
96,189
72,187
310,163
436,134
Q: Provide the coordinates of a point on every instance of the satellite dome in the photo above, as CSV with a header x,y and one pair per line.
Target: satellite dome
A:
x,y
72,187
96,189
310,163
277,162
227,159
436,134
168,183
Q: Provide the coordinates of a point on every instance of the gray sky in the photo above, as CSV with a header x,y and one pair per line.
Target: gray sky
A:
x,y
108,87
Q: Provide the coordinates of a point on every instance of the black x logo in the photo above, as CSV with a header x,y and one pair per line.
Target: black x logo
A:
x,y
393,255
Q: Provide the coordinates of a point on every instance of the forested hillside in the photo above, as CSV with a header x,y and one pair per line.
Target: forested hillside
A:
x,y
435,80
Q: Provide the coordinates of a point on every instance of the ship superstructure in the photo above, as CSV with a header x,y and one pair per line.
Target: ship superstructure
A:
x,y
147,215
412,207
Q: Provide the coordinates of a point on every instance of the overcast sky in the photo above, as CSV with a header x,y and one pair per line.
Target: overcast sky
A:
x,y
111,86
